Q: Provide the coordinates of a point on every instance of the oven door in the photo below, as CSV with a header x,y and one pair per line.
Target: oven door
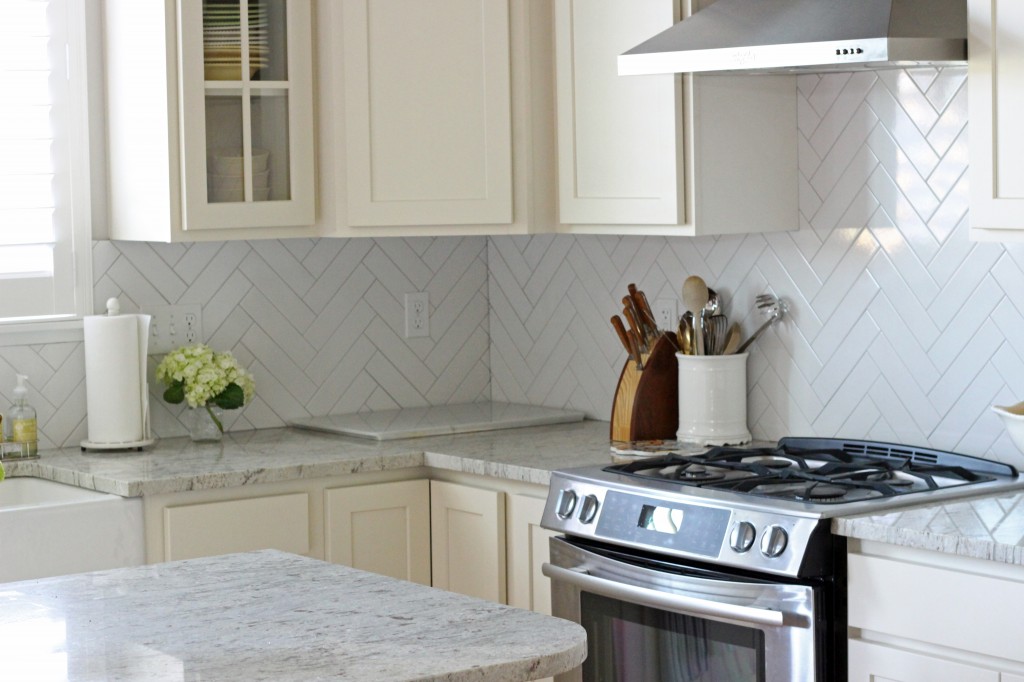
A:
x,y
653,620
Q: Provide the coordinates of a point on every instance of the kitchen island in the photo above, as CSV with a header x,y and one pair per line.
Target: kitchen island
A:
x,y
269,615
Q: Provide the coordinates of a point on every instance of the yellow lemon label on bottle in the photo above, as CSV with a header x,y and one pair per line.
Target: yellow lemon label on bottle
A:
x,y
23,430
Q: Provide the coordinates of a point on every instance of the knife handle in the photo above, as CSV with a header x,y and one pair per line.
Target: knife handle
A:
x,y
620,329
645,309
634,324
634,340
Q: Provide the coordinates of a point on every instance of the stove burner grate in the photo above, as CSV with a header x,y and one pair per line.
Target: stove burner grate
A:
x,y
826,473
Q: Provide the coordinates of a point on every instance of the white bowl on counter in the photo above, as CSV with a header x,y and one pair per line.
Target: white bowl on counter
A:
x,y
1013,420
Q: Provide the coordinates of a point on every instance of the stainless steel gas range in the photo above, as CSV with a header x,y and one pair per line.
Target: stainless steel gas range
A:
x,y
720,566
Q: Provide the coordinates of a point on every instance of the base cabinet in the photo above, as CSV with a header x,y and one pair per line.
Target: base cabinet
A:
x,y
273,522
382,528
528,588
920,616
467,535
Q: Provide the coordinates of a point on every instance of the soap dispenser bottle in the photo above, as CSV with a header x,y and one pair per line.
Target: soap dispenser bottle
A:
x,y
21,420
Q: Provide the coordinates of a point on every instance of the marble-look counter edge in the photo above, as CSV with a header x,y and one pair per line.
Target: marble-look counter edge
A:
x,y
526,454
269,615
990,528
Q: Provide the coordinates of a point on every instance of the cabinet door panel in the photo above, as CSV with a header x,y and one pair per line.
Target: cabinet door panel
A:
x,y
428,112
875,663
528,588
995,99
619,138
277,522
383,528
468,540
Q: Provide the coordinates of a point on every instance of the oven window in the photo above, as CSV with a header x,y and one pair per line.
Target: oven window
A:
x,y
632,643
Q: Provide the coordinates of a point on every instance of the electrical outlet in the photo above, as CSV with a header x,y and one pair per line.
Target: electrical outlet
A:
x,y
173,326
417,315
666,314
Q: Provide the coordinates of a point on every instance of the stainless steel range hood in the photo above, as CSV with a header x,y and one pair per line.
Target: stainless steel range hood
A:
x,y
806,36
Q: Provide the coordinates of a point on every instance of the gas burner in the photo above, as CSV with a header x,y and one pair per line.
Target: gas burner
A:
x,y
696,472
820,492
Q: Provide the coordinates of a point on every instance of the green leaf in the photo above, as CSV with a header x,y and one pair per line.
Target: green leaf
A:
x,y
230,398
175,393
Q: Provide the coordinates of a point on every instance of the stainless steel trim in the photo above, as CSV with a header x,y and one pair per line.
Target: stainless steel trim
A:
x,y
662,600
806,35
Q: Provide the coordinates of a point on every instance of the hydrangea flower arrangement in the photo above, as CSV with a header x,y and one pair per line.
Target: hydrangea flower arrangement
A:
x,y
199,376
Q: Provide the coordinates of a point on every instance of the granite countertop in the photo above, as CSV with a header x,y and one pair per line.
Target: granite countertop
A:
x,y
526,454
987,528
269,615
990,528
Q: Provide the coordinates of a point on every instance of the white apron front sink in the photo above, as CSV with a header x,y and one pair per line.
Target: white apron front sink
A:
x,y
49,529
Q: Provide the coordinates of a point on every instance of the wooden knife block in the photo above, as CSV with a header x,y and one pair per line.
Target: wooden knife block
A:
x,y
646,405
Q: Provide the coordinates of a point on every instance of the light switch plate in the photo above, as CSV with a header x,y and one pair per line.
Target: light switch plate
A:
x,y
173,326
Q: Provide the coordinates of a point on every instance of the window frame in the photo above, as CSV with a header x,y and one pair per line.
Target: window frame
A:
x,y
81,73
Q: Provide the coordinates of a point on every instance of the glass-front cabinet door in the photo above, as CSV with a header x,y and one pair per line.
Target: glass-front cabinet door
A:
x,y
247,113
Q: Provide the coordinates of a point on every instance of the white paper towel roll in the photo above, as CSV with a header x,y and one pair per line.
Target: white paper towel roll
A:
x,y
117,394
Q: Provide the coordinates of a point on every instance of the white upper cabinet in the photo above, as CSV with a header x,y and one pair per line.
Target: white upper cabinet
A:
x,y
665,154
435,117
198,146
995,101
428,122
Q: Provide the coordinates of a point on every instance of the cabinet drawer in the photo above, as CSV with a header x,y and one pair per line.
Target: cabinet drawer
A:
x,y
965,611
278,522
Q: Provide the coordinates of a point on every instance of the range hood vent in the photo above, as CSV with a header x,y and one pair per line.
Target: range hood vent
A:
x,y
806,36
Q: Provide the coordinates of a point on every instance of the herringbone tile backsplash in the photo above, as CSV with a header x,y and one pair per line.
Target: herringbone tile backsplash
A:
x,y
899,329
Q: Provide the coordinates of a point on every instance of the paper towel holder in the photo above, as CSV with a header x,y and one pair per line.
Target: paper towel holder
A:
x,y
114,309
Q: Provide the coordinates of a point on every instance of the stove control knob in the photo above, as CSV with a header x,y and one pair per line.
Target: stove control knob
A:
x,y
566,503
588,508
741,538
773,541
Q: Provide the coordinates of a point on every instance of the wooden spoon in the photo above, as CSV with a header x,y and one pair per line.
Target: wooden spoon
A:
x,y
695,297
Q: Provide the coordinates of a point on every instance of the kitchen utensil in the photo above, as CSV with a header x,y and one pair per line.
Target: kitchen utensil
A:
x,y
715,327
647,327
635,330
645,309
685,333
732,339
620,329
695,297
646,402
774,308
713,305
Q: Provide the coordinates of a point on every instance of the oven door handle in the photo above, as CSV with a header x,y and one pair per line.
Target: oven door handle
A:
x,y
644,596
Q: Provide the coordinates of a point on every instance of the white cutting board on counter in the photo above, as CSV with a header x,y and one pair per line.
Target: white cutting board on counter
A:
x,y
437,420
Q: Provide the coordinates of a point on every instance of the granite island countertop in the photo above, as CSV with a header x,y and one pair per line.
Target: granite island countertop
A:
x,y
269,615
527,454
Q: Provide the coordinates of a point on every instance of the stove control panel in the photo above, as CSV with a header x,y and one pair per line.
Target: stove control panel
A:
x,y
773,541
741,537
717,531
588,508
566,503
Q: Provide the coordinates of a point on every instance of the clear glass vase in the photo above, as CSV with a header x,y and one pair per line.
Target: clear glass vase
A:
x,y
204,425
